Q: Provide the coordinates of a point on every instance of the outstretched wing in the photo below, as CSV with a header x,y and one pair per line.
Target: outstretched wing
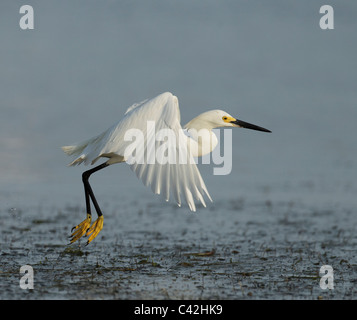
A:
x,y
151,140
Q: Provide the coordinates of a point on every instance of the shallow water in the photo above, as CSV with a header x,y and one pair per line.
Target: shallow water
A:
x,y
237,248
287,208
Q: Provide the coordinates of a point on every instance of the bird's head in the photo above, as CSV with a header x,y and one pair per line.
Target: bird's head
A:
x,y
218,119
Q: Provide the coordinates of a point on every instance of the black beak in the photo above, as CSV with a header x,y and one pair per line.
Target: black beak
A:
x,y
247,125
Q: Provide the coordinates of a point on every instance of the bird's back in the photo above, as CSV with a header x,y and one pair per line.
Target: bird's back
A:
x,y
111,142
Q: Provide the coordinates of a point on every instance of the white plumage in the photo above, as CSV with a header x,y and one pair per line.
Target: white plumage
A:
x,y
169,172
184,181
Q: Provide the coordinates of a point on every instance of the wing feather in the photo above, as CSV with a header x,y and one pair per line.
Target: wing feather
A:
x,y
182,180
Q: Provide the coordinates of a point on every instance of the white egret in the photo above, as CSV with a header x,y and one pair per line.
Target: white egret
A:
x,y
180,178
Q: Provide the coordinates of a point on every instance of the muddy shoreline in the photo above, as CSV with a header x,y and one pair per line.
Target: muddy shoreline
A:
x,y
248,250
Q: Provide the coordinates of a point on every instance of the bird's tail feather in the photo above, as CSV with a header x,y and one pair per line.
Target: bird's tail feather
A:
x,y
72,150
77,151
83,152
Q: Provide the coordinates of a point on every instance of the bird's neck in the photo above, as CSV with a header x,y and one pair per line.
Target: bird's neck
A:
x,y
201,142
198,124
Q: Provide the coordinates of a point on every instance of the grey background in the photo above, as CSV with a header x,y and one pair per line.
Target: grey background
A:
x,y
265,62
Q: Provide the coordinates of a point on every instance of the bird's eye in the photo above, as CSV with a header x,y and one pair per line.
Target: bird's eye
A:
x,y
224,118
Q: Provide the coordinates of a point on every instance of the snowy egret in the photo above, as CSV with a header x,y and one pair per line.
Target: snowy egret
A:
x,y
180,178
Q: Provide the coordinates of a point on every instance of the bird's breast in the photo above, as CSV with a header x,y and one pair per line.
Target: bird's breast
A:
x,y
201,142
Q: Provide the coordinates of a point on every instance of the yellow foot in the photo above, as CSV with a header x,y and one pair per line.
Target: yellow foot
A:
x,y
81,229
96,227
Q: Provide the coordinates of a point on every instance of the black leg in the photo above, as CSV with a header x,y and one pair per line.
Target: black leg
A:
x,y
86,193
85,227
88,189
